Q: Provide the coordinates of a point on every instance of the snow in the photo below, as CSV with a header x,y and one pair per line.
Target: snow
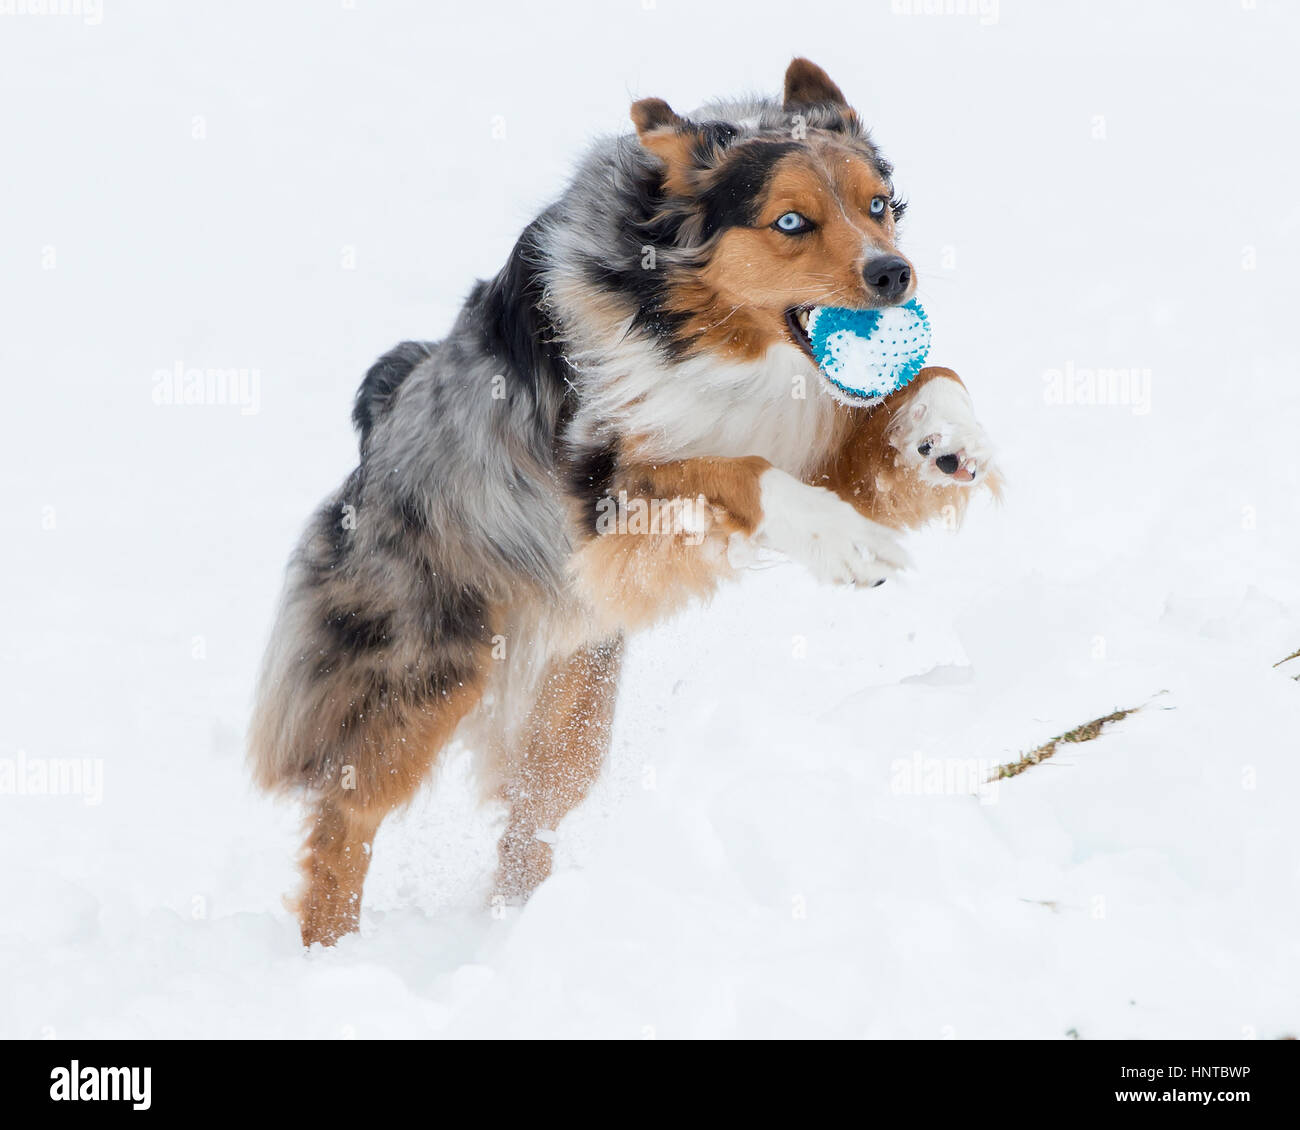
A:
x,y
773,850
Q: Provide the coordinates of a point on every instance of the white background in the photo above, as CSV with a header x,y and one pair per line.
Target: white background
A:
x,y
1090,185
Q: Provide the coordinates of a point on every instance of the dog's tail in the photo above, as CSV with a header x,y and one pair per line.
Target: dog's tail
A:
x,y
384,378
370,666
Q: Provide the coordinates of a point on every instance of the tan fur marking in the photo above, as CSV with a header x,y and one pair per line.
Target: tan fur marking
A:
x,y
630,580
334,862
736,303
668,137
731,484
866,471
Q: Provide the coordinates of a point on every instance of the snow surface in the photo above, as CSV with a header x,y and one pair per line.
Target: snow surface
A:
x,y
291,188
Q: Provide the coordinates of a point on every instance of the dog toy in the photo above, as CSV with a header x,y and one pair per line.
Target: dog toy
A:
x,y
867,354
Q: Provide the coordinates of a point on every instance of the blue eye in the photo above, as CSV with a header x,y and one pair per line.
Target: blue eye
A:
x,y
878,206
792,223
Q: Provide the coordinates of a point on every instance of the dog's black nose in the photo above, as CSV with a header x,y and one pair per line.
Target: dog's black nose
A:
x,y
889,276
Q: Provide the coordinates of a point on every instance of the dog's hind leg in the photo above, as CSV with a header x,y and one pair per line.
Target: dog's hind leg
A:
x,y
384,750
368,675
335,859
563,746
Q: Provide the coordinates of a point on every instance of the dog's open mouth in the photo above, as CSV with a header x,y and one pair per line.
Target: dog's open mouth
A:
x,y
796,320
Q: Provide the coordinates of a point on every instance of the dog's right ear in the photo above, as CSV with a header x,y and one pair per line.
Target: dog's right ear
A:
x,y
671,138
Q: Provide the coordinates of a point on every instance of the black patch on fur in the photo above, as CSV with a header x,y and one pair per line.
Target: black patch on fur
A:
x,y
381,382
732,199
714,137
590,478
655,222
353,632
513,327
647,223
451,615
411,513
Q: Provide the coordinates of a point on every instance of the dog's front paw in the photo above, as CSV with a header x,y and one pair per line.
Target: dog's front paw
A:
x,y
936,434
824,533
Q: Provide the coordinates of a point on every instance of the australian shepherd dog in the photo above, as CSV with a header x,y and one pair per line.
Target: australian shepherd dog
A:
x,y
614,423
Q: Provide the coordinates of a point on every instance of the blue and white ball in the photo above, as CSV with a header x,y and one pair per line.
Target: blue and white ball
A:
x,y
867,354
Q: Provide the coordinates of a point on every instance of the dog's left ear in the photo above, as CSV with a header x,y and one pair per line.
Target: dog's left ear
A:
x,y
669,137
806,84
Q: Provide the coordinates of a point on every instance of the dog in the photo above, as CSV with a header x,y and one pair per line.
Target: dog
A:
x,y
615,424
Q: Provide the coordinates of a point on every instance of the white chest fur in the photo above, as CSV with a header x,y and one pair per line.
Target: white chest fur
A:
x,y
775,407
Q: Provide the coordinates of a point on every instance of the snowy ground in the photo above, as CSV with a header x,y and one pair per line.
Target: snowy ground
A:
x,y
783,843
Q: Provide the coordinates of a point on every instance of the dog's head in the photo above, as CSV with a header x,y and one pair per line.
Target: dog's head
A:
x,y
772,210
